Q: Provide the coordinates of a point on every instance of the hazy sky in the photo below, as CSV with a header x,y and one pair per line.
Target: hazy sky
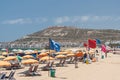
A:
x,y
21,17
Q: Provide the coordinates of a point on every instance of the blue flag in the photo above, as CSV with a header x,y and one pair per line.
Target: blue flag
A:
x,y
54,45
98,41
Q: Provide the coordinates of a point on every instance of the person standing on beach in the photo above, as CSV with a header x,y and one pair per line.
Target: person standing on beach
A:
x,y
76,62
96,55
84,57
106,54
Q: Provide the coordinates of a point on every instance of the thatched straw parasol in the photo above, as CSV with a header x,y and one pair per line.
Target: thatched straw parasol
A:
x,y
27,57
60,56
70,55
10,58
42,54
4,64
29,61
46,58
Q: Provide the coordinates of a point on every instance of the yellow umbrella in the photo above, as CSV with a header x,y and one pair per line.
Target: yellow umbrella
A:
x,y
2,57
70,55
19,51
27,57
28,52
42,54
60,56
29,61
46,58
4,64
67,50
62,53
4,53
50,51
10,58
59,53
35,51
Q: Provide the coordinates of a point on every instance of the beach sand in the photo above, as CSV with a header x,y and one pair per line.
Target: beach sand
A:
x,y
105,69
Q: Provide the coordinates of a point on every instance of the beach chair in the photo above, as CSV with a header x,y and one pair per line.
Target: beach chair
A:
x,y
16,65
35,70
2,76
11,76
64,63
51,64
48,66
70,60
30,69
60,63
29,72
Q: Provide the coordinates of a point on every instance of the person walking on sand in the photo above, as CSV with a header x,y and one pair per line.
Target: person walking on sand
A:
x,y
76,62
84,57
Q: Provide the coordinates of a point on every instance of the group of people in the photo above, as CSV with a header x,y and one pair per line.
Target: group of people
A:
x,y
87,57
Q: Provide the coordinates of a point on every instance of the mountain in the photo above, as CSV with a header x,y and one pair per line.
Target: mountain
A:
x,y
72,34
68,35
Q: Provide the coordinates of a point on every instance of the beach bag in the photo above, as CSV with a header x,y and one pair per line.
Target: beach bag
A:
x,y
102,57
87,62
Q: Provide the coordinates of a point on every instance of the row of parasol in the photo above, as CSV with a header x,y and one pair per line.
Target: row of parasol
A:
x,y
28,59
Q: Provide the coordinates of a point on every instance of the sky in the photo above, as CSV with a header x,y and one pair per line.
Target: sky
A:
x,y
19,18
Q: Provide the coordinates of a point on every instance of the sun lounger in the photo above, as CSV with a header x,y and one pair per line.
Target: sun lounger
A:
x,y
11,76
64,62
70,60
32,71
28,72
47,66
2,76
35,70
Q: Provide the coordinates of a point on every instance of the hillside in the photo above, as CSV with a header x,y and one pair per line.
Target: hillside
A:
x,y
68,34
72,34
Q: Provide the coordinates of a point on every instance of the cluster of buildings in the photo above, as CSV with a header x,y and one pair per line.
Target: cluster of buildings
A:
x,y
39,45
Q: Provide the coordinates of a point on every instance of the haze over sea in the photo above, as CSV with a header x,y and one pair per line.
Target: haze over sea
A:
x,y
19,18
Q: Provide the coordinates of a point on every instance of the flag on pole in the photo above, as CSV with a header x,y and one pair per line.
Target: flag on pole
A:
x,y
91,43
98,41
54,45
103,48
7,50
85,44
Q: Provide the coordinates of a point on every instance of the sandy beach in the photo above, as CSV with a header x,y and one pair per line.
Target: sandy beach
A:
x,y
59,40
105,69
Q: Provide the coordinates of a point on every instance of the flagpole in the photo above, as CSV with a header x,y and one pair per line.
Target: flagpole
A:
x,y
49,58
53,46
87,48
